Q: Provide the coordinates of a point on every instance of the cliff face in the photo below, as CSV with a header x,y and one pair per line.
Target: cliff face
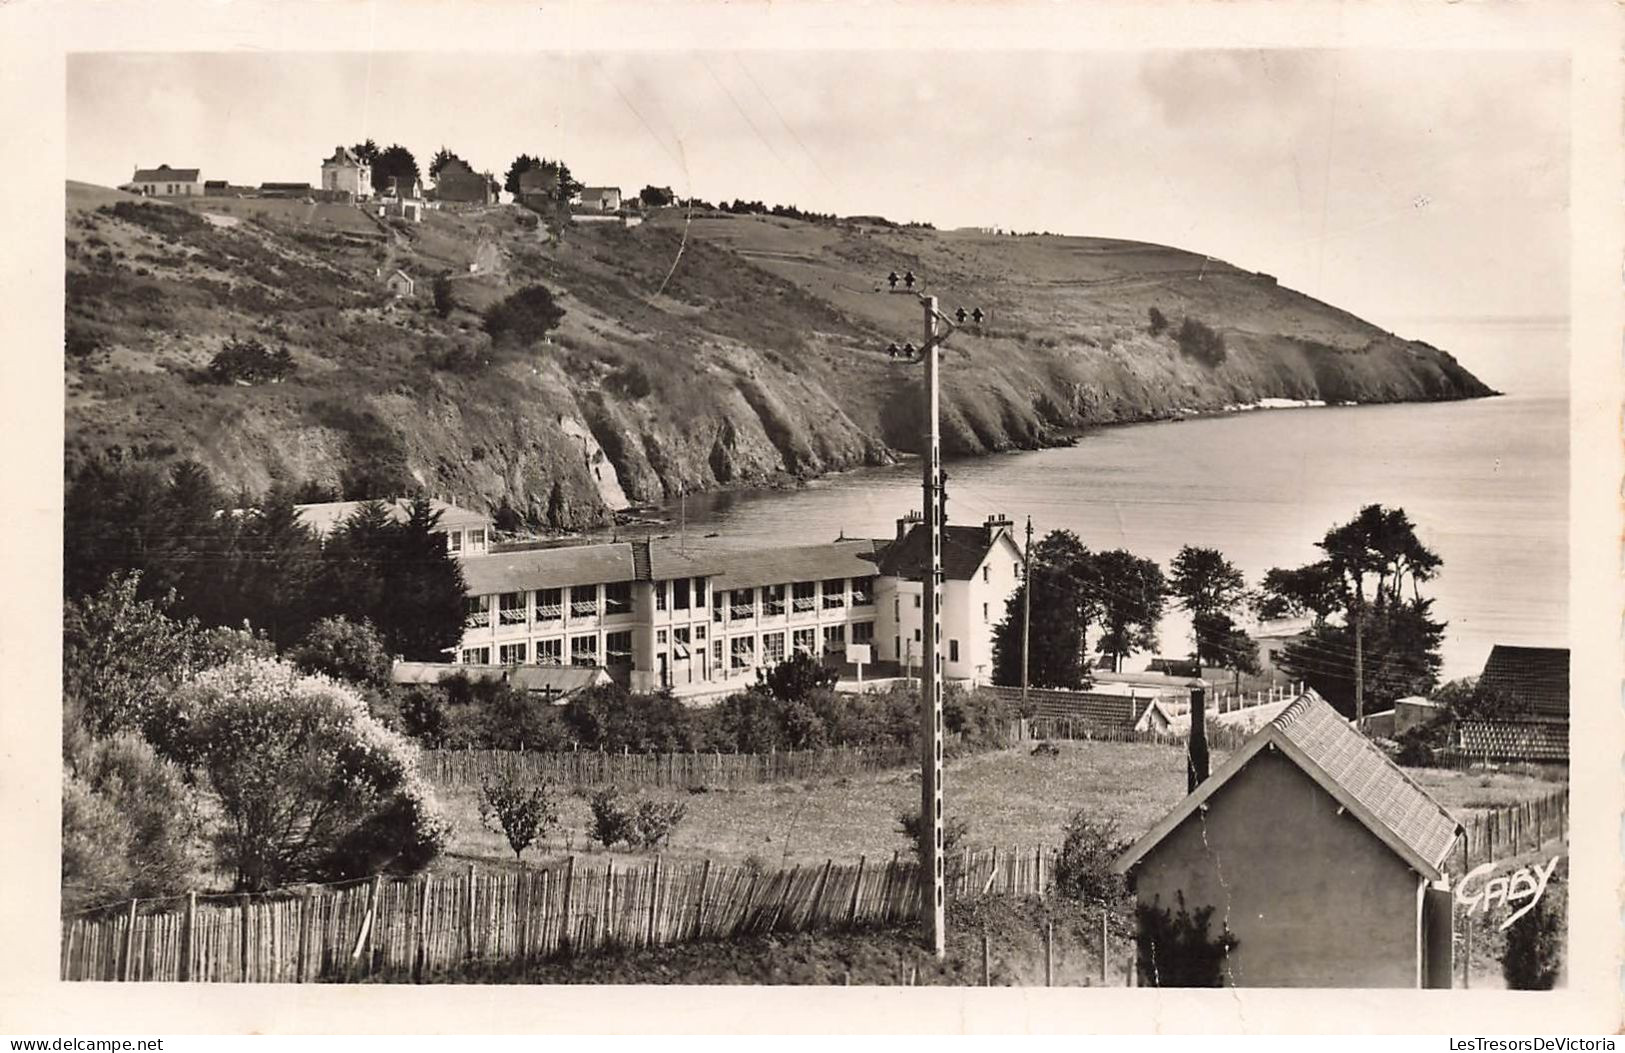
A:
x,y
762,357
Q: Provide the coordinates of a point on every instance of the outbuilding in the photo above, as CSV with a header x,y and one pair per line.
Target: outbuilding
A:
x,y
1323,858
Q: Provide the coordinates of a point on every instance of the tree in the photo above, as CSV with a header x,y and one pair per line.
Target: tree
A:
x,y
1533,958
1063,608
442,158
1469,699
1159,321
797,677
444,300
1201,342
1221,642
423,618
524,317
310,786
1130,593
655,196
522,814
1386,642
250,362
395,162
368,152
344,650
1083,870
122,655
1211,588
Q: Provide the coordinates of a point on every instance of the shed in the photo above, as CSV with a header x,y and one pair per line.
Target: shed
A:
x,y
1323,858
401,284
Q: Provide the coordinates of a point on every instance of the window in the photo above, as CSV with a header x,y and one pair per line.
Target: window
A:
x,y
716,606
916,601
834,593
863,592
699,592
984,613
584,650
618,648
699,632
772,648
660,595
897,608
679,594
1015,571
549,605
716,654
476,540
897,648
679,643
803,596
987,572
743,650
953,650
476,656
477,612
550,652
804,640
513,653
834,639
583,601
742,605
454,541
660,637
863,632
617,598
772,601
511,608
917,638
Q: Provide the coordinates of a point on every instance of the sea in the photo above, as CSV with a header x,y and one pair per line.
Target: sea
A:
x,y
1486,481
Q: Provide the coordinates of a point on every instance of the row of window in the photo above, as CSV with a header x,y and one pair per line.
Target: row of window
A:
x,y
515,608
679,594
583,651
475,543
897,648
805,596
742,650
897,608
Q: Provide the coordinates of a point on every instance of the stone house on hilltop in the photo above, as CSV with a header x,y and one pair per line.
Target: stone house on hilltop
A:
x,y
460,184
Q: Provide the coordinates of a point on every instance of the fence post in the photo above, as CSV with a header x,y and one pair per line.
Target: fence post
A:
x,y
469,914
566,931
420,955
242,929
987,962
606,909
189,946
818,894
129,943
1105,943
857,887
302,954
699,907
1049,953
363,940
654,904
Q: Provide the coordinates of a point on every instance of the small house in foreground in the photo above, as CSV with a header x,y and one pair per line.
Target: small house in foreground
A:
x,y
1320,855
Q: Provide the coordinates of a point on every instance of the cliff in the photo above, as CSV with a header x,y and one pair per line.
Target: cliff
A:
x,y
761,360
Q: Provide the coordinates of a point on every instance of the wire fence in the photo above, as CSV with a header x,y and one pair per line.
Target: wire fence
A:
x,y
407,928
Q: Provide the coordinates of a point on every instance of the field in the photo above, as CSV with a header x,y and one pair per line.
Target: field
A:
x,y
1011,799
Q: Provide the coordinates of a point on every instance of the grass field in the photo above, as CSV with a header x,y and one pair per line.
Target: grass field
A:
x,y
1010,798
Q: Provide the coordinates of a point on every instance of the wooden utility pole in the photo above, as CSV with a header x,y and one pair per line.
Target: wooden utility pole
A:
x,y
1359,655
934,905
1026,610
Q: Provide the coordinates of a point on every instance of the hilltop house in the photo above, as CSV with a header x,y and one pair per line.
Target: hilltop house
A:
x,y
1321,856
345,173
1533,682
467,532
165,181
400,284
461,184
601,199
285,190
703,623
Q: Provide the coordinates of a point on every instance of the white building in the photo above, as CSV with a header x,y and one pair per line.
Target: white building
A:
x,y
165,181
346,173
467,532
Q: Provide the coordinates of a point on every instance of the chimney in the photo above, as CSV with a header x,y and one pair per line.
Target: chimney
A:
x,y
1196,767
904,524
995,524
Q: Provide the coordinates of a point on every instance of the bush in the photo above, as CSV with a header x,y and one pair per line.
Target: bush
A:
x,y
130,824
524,317
121,655
1533,958
1159,321
1046,748
522,814
1083,870
630,381
656,820
423,716
611,823
797,677
444,301
954,832
1175,950
344,650
250,362
1201,342
310,786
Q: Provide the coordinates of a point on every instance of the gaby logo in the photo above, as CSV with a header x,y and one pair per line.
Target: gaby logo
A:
x,y
1525,883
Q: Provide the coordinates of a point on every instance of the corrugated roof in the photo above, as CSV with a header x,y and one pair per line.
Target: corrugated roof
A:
x,y
1348,766
1514,740
964,548
327,515
747,568
165,174
549,568
1536,676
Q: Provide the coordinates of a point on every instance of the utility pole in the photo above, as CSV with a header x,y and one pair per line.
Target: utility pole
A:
x,y
1026,610
935,907
933,890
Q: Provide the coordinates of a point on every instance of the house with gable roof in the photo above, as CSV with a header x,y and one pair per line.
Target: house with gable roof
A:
x,y
165,181
1533,682
346,173
1323,858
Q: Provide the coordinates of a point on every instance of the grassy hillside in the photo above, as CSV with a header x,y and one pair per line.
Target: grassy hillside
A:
x,y
760,360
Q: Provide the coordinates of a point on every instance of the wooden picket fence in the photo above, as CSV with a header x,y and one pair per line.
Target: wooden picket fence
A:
x,y
406,928
1221,737
460,769
1502,833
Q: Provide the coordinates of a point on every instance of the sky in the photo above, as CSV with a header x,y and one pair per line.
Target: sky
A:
x,y
1426,191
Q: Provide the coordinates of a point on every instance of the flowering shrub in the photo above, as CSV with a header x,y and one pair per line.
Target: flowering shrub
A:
x,y
310,785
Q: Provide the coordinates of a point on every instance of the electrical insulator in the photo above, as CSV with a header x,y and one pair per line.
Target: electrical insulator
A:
x,y
977,316
891,349
959,316
908,279
891,279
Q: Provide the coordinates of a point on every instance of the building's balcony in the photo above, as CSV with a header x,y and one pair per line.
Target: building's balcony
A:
x,y
512,617
551,612
740,612
803,604
583,608
772,608
477,620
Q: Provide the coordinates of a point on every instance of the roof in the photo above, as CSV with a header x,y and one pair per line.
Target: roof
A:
x,y
745,568
964,549
1536,676
593,192
1347,765
557,680
1148,679
164,174
327,515
540,177
344,156
1514,740
401,274
549,568
285,186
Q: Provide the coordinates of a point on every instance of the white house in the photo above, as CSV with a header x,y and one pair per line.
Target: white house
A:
x,y
165,181
601,199
467,532
346,173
